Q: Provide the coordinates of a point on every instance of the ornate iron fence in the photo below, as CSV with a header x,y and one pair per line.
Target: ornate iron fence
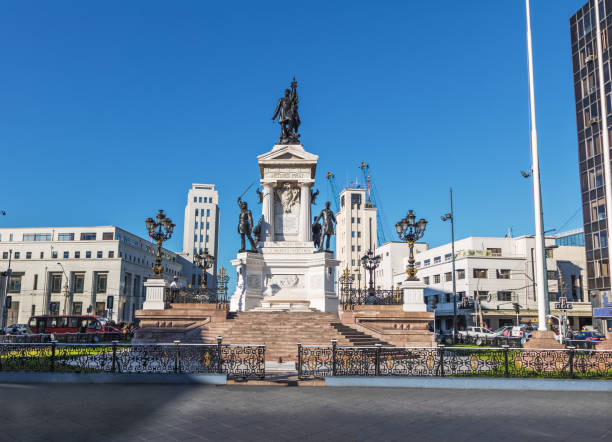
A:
x,y
320,361
488,341
350,297
237,361
208,296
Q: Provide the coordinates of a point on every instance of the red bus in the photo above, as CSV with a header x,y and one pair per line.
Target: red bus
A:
x,y
70,324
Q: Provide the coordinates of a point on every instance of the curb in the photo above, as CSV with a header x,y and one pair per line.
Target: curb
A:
x,y
471,383
112,378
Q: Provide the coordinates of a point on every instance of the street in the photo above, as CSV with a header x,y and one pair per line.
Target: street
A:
x,y
71,412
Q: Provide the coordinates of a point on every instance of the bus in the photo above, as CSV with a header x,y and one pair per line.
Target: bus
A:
x,y
59,324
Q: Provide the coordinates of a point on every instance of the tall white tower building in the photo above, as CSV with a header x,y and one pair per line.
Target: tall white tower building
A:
x,y
355,233
201,230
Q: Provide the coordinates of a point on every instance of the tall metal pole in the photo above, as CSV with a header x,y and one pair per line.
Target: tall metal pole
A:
x,y
603,129
3,309
541,283
454,276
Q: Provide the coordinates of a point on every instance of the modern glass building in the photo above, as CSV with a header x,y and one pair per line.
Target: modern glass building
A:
x,y
591,67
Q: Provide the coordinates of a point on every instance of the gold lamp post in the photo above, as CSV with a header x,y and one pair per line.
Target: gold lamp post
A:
x,y
410,230
160,229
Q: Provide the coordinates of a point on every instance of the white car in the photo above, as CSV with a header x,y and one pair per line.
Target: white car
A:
x,y
17,329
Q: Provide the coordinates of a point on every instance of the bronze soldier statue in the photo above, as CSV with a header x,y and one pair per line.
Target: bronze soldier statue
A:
x,y
327,228
245,226
288,117
316,233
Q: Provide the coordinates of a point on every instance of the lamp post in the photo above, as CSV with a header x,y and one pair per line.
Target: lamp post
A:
x,y
346,281
409,230
65,287
204,261
160,230
223,280
370,262
451,216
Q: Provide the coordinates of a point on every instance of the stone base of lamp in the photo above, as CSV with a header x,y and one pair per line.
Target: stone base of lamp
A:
x,y
155,294
414,298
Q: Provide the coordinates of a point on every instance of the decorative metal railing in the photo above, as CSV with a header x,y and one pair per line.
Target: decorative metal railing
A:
x,y
350,297
81,338
490,341
208,296
320,361
237,361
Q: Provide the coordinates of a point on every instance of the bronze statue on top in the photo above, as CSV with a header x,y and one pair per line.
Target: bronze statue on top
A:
x,y
288,117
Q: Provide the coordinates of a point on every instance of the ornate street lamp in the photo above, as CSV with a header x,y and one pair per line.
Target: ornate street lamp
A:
x,y
204,261
222,281
160,230
370,262
410,230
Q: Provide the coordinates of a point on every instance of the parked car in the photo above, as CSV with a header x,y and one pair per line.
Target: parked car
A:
x,y
478,335
17,329
503,331
590,336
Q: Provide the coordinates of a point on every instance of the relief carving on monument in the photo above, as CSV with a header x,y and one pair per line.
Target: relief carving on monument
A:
x,y
278,282
288,195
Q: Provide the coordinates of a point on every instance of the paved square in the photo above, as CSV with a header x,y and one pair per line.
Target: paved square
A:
x,y
184,412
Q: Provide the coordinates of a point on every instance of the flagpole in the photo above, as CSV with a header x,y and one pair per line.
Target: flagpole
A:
x,y
540,255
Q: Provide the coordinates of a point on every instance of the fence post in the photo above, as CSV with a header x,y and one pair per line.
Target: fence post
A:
x,y
441,351
334,344
571,361
114,365
377,360
506,368
53,346
219,357
299,361
177,356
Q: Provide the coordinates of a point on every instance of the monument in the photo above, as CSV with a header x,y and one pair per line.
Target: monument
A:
x,y
285,271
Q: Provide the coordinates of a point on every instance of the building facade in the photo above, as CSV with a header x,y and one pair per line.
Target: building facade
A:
x,y
494,273
393,258
76,270
591,52
355,233
201,231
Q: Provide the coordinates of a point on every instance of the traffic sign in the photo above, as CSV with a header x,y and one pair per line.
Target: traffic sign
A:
x,y
563,304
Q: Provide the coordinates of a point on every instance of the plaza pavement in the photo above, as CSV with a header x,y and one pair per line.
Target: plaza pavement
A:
x,y
72,412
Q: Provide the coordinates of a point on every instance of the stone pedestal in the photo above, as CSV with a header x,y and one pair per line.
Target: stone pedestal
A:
x,y
288,274
414,298
607,344
155,294
543,339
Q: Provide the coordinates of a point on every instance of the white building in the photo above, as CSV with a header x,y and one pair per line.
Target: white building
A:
x,y
494,273
355,233
201,230
392,256
73,270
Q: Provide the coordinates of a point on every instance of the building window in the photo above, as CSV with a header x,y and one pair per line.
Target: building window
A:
x,y
460,273
88,254
426,280
107,236
207,212
28,255
79,282
199,199
352,234
352,248
101,280
436,279
4,255
37,237
14,284
111,254
88,236
65,237
54,308
77,308
549,253
504,296
427,263
480,294
42,255
437,260
418,264
480,273
99,254
551,274
195,199
77,255
100,308
448,276
56,283
496,251
17,255
598,209
352,219
35,286
448,257
54,254
503,273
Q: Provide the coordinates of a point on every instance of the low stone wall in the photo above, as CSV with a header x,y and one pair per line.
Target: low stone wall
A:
x,y
391,324
181,322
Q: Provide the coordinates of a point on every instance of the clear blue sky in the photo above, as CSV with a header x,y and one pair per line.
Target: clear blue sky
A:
x,y
110,110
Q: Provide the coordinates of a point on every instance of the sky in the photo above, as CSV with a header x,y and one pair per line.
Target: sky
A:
x,y
110,110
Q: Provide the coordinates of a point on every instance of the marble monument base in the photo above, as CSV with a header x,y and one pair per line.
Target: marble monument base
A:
x,y
287,276
414,298
155,294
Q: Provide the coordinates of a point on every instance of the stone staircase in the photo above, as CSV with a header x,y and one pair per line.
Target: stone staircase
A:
x,y
281,331
356,337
